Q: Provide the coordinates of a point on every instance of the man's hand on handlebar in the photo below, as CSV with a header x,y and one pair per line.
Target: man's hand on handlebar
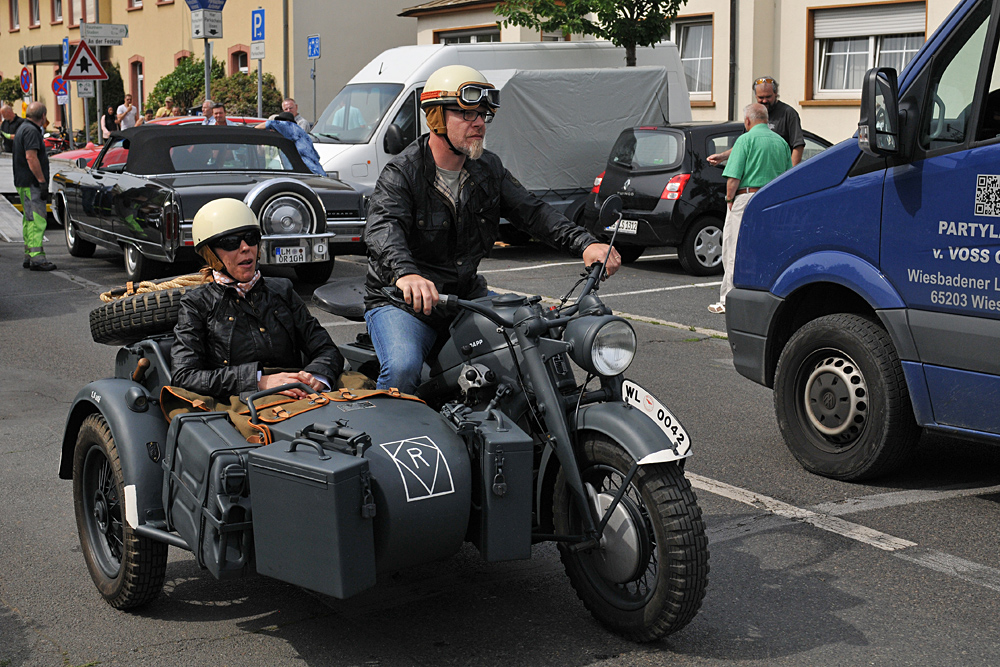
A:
x,y
278,379
596,252
419,293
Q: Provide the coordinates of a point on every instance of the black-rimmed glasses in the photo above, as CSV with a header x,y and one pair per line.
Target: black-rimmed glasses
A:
x,y
231,242
470,115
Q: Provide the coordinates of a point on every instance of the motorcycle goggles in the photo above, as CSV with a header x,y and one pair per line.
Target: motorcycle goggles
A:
x,y
231,242
469,95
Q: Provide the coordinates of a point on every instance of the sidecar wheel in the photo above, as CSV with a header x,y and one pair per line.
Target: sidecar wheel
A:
x,y
128,570
650,581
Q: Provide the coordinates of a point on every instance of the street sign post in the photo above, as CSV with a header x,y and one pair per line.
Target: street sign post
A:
x,y
103,34
257,53
206,24
84,65
313,53
85,89
61,90
65,51
25,80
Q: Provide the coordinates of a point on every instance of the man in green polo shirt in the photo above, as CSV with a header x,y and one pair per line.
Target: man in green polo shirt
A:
x,y
758,157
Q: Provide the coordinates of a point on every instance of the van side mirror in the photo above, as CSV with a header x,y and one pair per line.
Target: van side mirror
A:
x,y
393,142
878,130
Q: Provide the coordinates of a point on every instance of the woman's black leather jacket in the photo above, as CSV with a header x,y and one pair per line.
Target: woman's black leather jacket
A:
x,y
223,340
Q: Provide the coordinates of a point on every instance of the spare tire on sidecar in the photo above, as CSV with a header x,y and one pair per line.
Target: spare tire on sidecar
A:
x,y
135,312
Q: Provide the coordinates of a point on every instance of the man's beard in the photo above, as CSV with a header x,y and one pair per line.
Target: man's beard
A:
x,y
473,148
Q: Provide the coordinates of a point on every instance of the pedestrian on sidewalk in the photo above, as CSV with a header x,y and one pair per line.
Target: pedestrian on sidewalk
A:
x,y
758,157
31,178
127,113
11,121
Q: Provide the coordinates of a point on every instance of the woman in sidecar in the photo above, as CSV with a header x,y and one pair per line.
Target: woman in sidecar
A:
x,y
243,333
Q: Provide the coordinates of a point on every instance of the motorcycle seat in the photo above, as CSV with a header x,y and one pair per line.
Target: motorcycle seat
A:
x,y
344,297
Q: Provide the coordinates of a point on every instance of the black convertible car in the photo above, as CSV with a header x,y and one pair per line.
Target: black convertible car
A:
x,y
147,184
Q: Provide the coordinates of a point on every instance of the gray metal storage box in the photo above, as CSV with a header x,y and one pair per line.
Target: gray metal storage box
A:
x,y
309,527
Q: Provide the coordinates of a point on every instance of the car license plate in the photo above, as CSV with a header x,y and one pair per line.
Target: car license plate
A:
x,y
648,405
293,255
625,227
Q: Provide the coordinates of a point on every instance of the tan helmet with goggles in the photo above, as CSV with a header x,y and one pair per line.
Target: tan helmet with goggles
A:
x,y
456,86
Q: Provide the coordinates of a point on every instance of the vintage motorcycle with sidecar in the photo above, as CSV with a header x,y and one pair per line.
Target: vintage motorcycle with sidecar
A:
x,y
504,448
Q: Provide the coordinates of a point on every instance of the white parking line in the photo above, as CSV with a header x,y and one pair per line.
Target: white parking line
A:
x,y
899,498
547,265
779,513
662,289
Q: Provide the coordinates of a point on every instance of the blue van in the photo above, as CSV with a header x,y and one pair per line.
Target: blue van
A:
x,y
868,279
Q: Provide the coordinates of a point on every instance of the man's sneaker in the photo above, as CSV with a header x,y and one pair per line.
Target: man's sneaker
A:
x,y
41,264
27,262
717,308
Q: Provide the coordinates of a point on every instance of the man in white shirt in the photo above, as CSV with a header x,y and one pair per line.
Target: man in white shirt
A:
x,y
127,113
292,107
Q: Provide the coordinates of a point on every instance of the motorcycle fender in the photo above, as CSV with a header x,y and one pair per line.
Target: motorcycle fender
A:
x,y
637,433
135,435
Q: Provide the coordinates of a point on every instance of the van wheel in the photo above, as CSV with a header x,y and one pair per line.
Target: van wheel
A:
x,y
841,399
700,253
128,570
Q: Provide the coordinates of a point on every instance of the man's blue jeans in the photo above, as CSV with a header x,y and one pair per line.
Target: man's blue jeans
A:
x,y
402,342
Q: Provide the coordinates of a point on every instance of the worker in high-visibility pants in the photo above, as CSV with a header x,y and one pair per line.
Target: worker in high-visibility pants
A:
x,y
31,178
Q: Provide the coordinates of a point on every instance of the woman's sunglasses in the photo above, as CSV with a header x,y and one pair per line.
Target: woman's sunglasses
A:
x,y
231,242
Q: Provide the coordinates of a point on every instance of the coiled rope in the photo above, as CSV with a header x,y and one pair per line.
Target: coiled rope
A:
x,y
131,289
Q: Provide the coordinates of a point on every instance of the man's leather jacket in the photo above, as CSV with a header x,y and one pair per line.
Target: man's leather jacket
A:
x,y
413,228
223,340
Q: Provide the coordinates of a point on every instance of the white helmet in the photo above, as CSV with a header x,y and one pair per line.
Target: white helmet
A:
x,y
220,217
456,85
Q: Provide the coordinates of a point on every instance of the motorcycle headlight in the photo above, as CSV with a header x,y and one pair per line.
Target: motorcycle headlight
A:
x,y
602,345
286,214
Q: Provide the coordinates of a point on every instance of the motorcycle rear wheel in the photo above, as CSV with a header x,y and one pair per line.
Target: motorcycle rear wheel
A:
x,y
650,582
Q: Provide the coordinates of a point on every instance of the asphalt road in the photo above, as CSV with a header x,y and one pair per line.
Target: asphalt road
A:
x,y
805,571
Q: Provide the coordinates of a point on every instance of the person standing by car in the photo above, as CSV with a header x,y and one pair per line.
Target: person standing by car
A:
x,y
782,119
206,111
292,107
435,214
758,157
285,125
31,178
243,333
109,123
219,115
127,113
11,121
166,109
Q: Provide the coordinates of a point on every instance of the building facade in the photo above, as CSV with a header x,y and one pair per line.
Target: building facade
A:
x,y
160,35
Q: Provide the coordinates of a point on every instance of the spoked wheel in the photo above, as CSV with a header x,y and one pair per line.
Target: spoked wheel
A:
x,y
127,570
648,577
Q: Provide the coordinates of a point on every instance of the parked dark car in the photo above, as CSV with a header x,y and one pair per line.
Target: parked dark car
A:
x,y
148,182
673,196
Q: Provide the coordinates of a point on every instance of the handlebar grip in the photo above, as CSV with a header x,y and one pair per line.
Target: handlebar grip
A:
x,y
275,390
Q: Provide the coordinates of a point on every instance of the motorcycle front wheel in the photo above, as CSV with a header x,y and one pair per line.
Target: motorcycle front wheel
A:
x,y
647,578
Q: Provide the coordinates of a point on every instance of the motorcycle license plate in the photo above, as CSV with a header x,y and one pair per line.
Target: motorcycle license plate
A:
x,y
648,405
293,255
625,227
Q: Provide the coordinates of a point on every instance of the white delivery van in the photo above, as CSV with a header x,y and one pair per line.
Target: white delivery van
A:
x,y
562,106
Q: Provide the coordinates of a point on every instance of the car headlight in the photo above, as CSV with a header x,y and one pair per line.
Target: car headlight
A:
x,y
286,214
602,345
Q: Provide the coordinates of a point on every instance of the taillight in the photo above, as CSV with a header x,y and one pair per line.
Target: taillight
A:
x,y
675,187
597,183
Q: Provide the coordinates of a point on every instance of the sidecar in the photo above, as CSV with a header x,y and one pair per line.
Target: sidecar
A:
x,y
341,487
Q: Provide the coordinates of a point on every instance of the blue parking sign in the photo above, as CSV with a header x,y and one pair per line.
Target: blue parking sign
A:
x,y
312,49
257,25
65,51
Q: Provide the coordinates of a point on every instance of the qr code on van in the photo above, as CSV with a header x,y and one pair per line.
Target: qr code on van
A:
x,y
988,195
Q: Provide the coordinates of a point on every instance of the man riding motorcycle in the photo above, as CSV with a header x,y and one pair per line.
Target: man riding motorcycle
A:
x,y
435,213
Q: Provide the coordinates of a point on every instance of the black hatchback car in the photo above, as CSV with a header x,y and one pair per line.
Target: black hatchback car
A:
x,y
672,195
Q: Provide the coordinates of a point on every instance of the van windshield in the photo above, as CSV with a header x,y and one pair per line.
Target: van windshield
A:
x,y
353,115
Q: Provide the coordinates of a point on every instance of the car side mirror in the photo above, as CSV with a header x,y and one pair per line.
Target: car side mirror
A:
x,y
81,162
393,142
878,130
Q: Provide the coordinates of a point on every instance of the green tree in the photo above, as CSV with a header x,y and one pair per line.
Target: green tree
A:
x,y
625,23
239,93
10,91
186,84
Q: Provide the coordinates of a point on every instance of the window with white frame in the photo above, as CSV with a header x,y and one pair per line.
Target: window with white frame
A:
x,y
555,36
850,40
694,43
15,15
474,36
57,11
34,13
